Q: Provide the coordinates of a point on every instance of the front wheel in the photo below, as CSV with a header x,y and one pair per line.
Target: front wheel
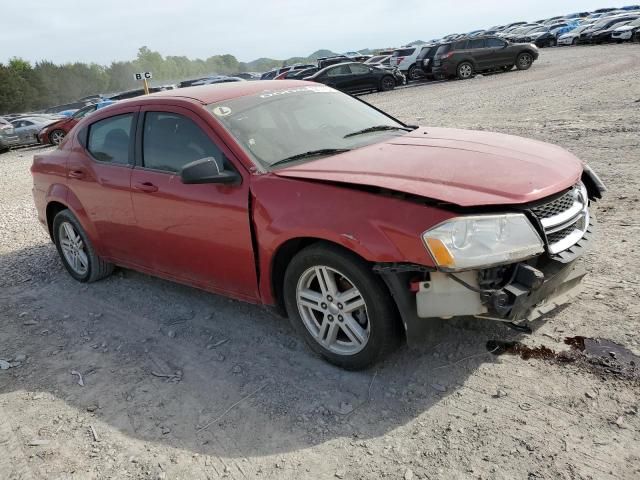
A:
x,y
342,310
76,252
387,83
574,42
524,61
465,71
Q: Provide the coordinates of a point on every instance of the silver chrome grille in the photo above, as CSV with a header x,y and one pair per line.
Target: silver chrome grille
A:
x,y
565,220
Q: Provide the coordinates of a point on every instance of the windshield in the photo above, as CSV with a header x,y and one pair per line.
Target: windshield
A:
x,y
275,125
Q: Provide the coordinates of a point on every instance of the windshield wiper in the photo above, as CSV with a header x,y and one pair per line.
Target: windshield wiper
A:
x,y
377,128
311,153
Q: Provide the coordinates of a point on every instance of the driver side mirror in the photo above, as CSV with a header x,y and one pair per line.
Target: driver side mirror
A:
x,y
207,170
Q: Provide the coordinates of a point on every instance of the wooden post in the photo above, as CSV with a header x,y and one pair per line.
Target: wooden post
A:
x,y
146,86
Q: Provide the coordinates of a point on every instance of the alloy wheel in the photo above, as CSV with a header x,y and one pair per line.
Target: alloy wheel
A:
x,y
57,136
388,83
333,310
73,248
465,70
525,60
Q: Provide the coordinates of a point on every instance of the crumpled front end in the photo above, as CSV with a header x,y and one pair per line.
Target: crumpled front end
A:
x,y
515,293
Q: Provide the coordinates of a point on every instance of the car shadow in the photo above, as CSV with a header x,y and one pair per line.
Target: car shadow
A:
x,y
185,368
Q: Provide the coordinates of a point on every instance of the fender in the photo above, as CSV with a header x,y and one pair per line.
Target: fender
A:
x,y
64,195
387,229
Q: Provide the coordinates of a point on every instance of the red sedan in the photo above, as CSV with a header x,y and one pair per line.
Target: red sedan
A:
x,y
291,194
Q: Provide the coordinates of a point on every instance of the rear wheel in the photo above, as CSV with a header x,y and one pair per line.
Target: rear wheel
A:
x,y
342,310
574,41
414,73
524,61
465,70
387,83
56,137
76,252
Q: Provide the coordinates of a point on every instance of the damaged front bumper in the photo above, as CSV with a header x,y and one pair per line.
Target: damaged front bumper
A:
x,y
522,293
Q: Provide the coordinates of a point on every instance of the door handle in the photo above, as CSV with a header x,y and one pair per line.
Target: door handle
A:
x,y
146,187
76,174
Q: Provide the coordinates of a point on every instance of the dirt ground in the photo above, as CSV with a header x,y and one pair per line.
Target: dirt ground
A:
x,y
182,384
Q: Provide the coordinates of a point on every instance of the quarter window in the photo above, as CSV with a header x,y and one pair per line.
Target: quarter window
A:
x,y
110,139
460,45
170,141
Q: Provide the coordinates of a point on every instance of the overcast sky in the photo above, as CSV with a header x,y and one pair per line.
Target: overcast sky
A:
x,y
91,31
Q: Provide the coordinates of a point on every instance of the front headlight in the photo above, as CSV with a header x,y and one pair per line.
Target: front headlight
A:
x,y
467,243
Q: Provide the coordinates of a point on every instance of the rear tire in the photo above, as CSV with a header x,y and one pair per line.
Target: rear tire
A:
x,y
413,73
524,61
76,252
574,42
343,311
465,71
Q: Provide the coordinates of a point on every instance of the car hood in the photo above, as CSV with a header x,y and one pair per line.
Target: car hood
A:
x,y
624,28
462,167
56,123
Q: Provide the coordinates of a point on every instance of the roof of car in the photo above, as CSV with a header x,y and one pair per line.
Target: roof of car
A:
x,y
207,94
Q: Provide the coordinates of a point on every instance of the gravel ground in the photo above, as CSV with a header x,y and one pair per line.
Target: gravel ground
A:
x,y
179,383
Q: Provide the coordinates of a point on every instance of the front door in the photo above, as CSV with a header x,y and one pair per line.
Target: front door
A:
x,y
198,233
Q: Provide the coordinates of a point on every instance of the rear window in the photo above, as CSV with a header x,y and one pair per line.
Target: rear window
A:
x,y
442,49
403,52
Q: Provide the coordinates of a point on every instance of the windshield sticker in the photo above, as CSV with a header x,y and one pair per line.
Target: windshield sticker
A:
x,y
315,89
222,111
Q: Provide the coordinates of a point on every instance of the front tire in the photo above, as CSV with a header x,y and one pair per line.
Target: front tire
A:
x,y
342,310
387,83
524,61
465,71
76,252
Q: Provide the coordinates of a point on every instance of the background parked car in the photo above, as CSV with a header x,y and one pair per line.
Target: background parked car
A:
x,y
217,79
27,129
571,38
68,106
626,32
356,77
464,58
55,132
8,137
425,60
405,60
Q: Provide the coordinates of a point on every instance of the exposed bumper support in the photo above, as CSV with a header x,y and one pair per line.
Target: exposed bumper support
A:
x,y
528,301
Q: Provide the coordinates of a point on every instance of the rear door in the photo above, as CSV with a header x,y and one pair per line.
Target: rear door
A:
x,y
480,55
198,233
98,175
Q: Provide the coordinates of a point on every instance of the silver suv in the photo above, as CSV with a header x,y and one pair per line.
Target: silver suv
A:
x,y
405,59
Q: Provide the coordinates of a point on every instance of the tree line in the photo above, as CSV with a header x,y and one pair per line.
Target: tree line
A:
x,y
25,87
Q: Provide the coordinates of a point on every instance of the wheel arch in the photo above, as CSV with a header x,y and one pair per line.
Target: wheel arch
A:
x,y
288,249
68,201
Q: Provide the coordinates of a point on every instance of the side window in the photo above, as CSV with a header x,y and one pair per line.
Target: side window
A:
x,y
495,43
170,141
476,43
461,45
341,70
359,69
109,139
